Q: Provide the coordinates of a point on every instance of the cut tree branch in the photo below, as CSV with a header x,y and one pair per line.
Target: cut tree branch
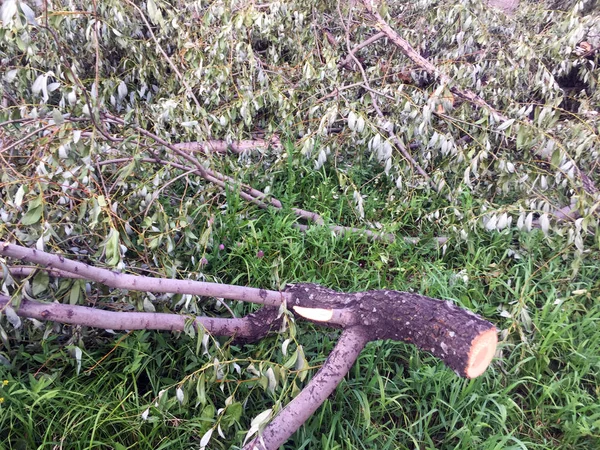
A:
x,y
464,341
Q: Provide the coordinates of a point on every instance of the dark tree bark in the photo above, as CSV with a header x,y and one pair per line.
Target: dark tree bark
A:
x,y
463,340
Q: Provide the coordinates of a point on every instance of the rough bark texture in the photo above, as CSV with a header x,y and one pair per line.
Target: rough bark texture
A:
x,y
440,327
338,363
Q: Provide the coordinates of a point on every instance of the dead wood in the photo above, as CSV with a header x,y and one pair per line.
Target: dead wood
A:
x,y
464,341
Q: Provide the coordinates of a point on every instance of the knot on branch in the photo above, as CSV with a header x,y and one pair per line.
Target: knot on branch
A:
x,y
260,324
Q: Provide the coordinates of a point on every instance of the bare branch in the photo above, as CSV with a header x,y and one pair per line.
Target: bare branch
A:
x,y
338,363
252,327
142,283
463,340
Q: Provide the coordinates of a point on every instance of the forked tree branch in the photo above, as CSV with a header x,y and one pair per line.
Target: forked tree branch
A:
x,y
463,340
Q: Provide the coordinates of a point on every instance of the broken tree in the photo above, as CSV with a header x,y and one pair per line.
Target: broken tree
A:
x,y
463,340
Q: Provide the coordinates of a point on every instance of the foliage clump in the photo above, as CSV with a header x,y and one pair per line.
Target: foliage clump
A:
x,y
93,93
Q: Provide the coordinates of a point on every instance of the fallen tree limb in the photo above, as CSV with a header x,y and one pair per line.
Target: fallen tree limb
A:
x,y
139,282
426,65
397,142
259,198
464,341
455,335
249,328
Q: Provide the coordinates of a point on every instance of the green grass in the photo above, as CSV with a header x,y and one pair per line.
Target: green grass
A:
x,y
542,393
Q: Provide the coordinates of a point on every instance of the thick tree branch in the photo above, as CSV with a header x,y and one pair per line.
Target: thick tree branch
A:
x,y
463,340
338,363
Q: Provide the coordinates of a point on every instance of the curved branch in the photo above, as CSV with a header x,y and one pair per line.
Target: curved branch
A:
x,y
251,327
140,282
339,362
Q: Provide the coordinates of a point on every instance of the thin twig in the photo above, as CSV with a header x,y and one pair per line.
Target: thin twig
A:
x,y
26,137
350,56
25,271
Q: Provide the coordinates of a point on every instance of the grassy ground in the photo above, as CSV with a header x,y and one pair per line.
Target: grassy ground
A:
x,y
542,391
